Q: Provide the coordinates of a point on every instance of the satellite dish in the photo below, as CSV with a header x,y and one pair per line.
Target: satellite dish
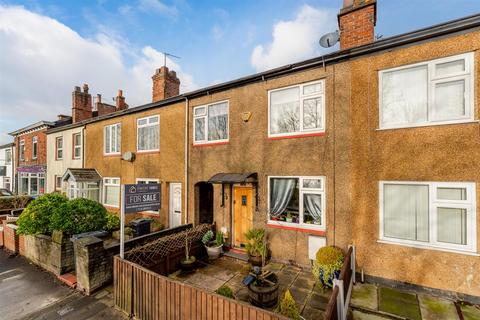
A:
x,y
329,39
128,156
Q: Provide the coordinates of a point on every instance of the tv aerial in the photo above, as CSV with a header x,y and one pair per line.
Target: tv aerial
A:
x,y
165,54
329,39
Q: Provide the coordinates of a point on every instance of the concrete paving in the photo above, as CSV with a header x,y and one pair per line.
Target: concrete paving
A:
x,y
370,301
28,292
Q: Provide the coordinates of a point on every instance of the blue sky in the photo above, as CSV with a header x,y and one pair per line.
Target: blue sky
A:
x,y
117,44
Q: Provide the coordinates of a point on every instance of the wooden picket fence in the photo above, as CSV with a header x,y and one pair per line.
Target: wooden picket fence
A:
x,y
337,307
146,295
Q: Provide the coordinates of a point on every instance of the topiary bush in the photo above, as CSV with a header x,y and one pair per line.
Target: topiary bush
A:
x,y
225,291
36,218
80,215
327,265
288,307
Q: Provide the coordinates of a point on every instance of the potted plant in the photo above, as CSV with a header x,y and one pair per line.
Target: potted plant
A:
x,y
255,246
214,247
262,288
327,265
188,263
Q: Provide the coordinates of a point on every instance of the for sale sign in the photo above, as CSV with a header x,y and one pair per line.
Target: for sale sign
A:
x,y
142,197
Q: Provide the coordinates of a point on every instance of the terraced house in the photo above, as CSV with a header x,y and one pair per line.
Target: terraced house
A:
x,y
376,144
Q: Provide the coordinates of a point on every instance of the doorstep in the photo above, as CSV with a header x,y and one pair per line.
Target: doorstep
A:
x,y
69,279
237,254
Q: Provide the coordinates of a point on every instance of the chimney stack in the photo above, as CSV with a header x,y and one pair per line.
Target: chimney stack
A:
x,y
81,104
120,101
165,84
356,21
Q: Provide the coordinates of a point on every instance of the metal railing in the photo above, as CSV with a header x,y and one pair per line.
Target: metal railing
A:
x,y
337,307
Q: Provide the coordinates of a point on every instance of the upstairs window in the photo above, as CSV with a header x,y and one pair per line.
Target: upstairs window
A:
x,y
77,145
59,148
210,123
148,134
22,150
429,214
434,92
297,110
8,157
34,147
112,138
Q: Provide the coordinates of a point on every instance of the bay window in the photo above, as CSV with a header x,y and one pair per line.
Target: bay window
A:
x,y
111,192
434,92
148,134
112,139
210,123
297,202
297,110
429,214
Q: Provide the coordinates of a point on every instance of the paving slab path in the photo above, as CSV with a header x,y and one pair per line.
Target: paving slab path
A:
x,y
370,301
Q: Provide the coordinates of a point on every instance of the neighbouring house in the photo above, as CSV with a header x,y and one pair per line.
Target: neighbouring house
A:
x,y
142,145
65,145
7,166
31,156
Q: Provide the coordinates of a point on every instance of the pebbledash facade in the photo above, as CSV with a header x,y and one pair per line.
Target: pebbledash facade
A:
x,y
375,145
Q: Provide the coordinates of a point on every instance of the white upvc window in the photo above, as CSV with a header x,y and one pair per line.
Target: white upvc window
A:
x,y
210,123
77,145
435,215
58,183
148,134
34,147
297,201
111,192
59,148
87,189
428,93
8,157
22,150
112,138
297,110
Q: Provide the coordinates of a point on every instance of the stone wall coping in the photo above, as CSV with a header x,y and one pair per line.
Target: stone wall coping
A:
x,y
87,241
12,226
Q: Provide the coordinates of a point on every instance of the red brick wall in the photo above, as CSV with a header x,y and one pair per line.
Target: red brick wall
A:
x,y
10,238
1,236
357,24
41,148
165,84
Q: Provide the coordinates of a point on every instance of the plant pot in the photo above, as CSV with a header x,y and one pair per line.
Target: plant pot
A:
x,y
329,282
214,252
255,261
188,265
264,295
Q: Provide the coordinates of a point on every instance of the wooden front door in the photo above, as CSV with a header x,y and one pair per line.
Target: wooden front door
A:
x,y
243,214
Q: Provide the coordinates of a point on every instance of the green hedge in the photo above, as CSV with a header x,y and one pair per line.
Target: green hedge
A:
x,y
55,212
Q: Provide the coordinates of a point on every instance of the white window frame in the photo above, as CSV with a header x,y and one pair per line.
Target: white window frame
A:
x,y
109,127
8,157
149,125
302,191
75,147
58,187
302,97
21,150
434,203
104,194
35,147
468,76
57,148
205,116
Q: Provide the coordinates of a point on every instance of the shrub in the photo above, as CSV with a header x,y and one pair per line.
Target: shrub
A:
x,y
219,238
207,237
255,245
80,215
225,291
15,202
36,218
288,307
329,260
113,222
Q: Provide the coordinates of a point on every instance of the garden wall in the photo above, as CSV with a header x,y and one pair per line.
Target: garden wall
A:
x,y
94,258
54,254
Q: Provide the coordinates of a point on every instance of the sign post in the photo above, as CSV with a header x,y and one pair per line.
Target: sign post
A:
x,y
136,198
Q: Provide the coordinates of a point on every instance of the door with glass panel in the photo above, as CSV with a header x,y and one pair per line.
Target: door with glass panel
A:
x,y
243,214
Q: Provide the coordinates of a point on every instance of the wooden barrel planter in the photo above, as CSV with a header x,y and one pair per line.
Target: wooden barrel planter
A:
x,y
264,295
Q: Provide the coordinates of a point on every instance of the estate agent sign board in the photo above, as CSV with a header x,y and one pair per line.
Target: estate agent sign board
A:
x,y
137,198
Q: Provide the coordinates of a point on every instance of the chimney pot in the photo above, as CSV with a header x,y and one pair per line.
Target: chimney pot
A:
x,y
120,93
77,89
85,88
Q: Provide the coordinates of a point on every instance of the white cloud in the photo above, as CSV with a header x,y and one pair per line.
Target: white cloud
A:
x,y
42,60
158,7
295,40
